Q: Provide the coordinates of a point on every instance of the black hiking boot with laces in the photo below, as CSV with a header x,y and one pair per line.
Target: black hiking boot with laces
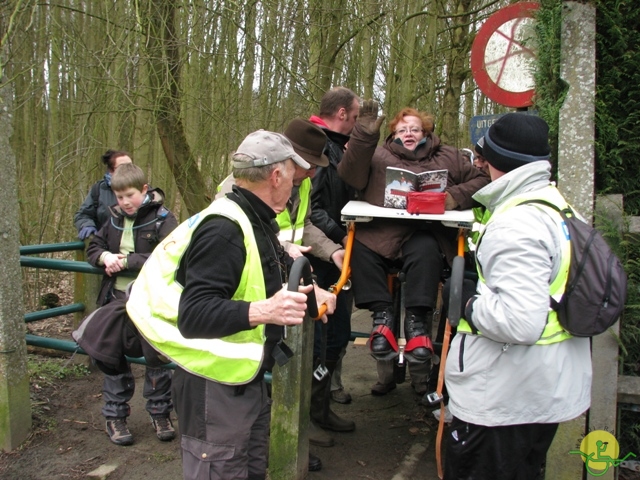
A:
x,y
118,431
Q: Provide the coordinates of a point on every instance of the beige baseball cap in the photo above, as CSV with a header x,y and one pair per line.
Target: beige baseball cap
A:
x,y
264,148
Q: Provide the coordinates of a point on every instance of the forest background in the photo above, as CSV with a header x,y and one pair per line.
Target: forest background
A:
x,y
180,83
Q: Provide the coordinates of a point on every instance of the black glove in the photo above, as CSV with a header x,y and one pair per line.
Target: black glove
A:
x,y
368,117
468,314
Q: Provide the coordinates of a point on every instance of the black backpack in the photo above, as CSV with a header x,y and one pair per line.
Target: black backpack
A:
x,y
596,289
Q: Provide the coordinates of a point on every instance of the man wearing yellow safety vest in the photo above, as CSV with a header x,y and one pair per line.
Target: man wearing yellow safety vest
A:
x,y
513,374
211,299
299,236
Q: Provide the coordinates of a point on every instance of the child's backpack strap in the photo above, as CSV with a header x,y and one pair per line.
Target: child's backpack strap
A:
x,y
161,217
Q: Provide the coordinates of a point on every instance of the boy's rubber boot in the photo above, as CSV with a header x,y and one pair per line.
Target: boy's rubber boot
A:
x,y
318,437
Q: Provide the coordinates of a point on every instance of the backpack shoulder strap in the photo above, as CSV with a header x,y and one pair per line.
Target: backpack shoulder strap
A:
x,y
95,194
565,213
161,216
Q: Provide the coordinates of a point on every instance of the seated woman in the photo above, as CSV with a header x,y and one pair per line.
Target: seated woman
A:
x,y
418,248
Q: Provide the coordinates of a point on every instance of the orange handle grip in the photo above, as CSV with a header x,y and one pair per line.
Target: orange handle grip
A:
x,y
346,269
461,238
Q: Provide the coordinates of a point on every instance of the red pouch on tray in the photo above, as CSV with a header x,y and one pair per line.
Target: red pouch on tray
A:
x,y
426,202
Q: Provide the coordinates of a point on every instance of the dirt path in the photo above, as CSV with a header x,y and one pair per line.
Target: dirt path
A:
x,y
394,437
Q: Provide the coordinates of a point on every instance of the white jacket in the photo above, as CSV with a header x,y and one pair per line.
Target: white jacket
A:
x,y
501,377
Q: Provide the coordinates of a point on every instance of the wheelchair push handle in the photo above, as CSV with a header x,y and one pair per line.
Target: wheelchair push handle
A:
x,y
301,270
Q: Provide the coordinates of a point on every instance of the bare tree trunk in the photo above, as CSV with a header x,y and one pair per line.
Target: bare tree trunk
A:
x,y
164,78
326,30
370,46
249,62
457,72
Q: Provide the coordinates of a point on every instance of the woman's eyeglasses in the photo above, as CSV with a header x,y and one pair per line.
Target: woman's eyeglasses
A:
x,y
414,130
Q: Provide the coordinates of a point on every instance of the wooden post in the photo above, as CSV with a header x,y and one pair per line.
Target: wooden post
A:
x,y
289,442
87,287
576,134
576,181
15,405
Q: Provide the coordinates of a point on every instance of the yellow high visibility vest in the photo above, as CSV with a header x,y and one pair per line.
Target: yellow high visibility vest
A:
x,y
155,296
292,232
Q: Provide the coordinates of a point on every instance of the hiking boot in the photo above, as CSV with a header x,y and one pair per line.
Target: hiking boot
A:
x,y
379,343
164,428
118,431
380,389
414,327
341,396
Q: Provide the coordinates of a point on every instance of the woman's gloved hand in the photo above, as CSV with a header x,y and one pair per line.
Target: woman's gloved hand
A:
x,y
368,117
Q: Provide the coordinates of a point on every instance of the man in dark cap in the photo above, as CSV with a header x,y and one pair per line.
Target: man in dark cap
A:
x,y
297,232
516,373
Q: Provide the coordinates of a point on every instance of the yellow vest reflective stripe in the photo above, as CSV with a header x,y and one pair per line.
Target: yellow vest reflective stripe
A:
x,y
293,232
553,332
154,299
481,216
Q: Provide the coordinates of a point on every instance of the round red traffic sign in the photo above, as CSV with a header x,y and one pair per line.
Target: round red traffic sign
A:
x,y
502,56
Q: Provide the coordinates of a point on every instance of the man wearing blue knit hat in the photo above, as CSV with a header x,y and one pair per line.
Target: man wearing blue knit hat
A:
x,y
516,373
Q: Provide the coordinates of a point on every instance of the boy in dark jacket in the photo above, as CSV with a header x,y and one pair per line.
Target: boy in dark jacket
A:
x,y
135,226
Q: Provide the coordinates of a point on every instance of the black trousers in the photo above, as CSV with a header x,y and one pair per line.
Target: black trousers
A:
x,y
513,452
420,260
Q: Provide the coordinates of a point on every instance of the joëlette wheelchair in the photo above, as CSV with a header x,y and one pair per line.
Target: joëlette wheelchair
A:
x,y
358,211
